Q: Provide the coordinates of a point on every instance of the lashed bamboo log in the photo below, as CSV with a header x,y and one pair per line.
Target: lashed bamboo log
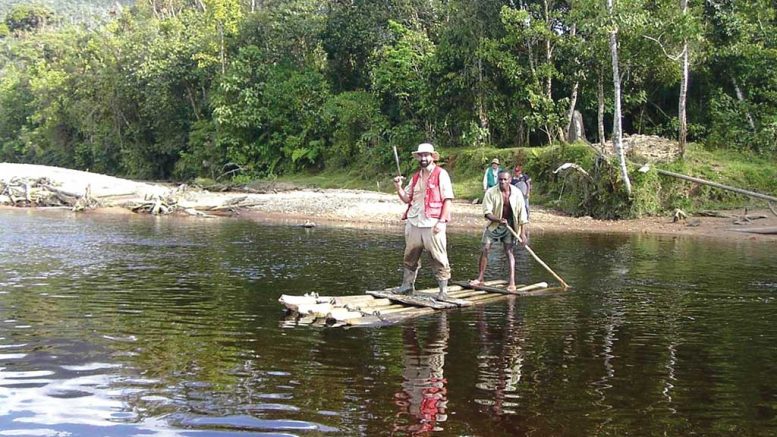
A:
x,y
366,310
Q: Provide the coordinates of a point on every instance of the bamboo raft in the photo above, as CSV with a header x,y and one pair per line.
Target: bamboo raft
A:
x,y
376,308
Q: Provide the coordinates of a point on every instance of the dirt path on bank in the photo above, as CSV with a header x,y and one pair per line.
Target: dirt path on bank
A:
x,y
358,208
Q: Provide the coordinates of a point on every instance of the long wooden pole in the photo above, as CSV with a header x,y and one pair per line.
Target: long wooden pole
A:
x,y
537,258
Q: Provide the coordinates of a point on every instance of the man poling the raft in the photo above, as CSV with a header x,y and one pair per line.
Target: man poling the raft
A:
x,y
428,196
503,207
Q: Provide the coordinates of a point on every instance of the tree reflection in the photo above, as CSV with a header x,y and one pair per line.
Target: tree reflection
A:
x,y
423,399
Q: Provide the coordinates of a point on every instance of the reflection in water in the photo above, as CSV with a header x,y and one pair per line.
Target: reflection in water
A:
x,y
132,325
500,368
498,267
423,399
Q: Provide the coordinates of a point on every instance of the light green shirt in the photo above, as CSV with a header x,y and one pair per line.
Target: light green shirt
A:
x,y
493,204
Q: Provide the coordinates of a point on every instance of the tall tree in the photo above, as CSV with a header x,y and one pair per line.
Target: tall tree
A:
x,y
400,75
526,57
353,30
588,48
675,33
226,16
617,127
681,115
463,82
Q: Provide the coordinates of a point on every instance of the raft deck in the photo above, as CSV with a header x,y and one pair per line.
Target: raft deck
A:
x,y
375,308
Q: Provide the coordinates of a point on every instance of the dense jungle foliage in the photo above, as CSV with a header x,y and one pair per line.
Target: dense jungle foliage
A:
x,y
174,89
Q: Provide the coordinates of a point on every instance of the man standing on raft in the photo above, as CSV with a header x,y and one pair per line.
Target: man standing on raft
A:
x,y
428,196
503,206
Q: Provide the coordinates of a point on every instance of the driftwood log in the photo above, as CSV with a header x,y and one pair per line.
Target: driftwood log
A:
x,y
171,202
743,219
42,192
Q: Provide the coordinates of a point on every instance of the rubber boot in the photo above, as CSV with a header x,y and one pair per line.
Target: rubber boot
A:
x,y
443,293
408,283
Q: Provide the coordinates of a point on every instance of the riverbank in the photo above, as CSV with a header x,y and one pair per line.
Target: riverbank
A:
x,y
369,209
359,208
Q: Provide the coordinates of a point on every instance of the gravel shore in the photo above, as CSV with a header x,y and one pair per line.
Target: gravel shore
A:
x,y
357,208
369,209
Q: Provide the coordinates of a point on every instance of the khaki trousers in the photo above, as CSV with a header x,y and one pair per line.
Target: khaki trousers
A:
x,y
416,240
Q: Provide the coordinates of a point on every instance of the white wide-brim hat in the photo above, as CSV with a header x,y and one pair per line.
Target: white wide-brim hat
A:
x,y
427,148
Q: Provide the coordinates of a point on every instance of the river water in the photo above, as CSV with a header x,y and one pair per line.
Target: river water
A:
x,y
134,325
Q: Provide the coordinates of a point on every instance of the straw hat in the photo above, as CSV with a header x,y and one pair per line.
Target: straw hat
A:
x,y
495,161
427,148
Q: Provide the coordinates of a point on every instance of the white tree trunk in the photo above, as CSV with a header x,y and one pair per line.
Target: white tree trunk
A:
x,y
548,53
571,111
152,3
600,110
573,97
741,98
617,130
482,114
683,98
222,50
683,89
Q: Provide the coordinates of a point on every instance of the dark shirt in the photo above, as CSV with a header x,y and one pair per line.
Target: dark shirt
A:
x,y
522,183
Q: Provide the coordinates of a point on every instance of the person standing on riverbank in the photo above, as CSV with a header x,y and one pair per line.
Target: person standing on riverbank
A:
x,y
522,181
428,197
489,178
502,207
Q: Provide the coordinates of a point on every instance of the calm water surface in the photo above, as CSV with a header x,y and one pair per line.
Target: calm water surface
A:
x,y
129,325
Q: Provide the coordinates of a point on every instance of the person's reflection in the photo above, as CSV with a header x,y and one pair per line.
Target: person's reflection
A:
x,y
500,367
423,398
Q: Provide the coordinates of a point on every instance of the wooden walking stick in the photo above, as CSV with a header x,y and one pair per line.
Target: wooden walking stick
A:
x,y
396,159
531,252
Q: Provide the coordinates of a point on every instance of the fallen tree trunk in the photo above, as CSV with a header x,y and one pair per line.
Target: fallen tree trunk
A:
x,y
765,197
764,231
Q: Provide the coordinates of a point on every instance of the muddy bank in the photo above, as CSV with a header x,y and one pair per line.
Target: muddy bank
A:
x,y
358,208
